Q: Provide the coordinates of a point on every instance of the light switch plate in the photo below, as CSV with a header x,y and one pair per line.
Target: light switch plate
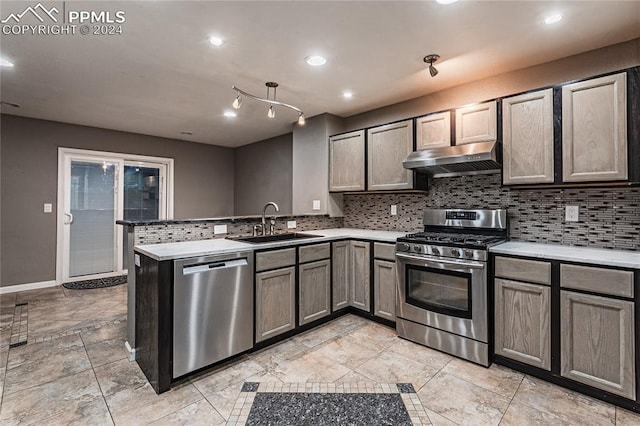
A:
x,y
394,210
316,205
291,224
571,213
136,259
219,229
48,208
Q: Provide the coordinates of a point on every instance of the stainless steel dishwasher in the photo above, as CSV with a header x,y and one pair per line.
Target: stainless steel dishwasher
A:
x,y
212,309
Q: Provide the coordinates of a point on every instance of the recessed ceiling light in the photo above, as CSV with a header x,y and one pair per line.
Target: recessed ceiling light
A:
x,y
216,41
446,1
230,114
347,95
6,63
316,60
552,19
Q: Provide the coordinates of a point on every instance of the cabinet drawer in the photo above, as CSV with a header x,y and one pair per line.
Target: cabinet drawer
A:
x,y
598,280
314,252
384,251
275,259
532,271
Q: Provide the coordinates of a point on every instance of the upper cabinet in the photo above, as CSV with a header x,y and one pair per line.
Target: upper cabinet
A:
x,y
594,129
346,162
476,123
433,131
527,130
387,146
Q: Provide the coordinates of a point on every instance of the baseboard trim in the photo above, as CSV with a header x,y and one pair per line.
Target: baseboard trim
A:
x,y
28,286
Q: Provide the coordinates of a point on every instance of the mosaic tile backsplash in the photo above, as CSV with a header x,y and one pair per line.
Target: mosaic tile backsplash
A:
x,y
608,217
204,230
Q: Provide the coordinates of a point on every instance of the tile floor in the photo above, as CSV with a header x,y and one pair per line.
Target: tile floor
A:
x,y
74,370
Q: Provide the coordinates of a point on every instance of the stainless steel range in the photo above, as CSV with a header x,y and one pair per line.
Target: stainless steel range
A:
x,y
442,281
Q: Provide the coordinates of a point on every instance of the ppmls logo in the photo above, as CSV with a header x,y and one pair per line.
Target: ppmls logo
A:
x,y
43,20
38,11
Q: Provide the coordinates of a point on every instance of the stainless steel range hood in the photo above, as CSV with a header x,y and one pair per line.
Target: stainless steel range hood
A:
x,y
469,159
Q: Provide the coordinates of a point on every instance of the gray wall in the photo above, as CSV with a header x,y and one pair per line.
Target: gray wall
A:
x,y
263,172
594,62
203,185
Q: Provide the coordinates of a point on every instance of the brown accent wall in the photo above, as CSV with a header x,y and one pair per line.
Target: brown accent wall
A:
x,y
594,62
263,173
29,170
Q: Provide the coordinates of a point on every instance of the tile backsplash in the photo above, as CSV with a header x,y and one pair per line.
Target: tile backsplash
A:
x,y
608,217
203,230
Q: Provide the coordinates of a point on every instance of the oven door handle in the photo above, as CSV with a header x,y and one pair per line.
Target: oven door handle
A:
x,y
440,260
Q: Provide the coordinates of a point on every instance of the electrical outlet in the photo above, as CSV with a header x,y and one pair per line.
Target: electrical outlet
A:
x,y
291,224
394,210
48,208
571,213
316,204
219,229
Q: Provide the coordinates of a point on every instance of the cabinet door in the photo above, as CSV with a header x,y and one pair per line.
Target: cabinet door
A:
x,y
384,289
597,342
387,147
476,123
315,291
523,322
528,138
275,302
341,261
360,275
433,131
594,129
346,162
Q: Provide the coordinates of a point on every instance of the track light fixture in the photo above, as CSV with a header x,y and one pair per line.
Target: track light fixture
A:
x,y
271,113
430,59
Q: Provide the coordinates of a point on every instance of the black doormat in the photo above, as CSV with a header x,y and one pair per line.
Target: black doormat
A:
x,y
96,283
327,404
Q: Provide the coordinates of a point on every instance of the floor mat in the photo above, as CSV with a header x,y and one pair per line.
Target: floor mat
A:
x,y
96,283
328,404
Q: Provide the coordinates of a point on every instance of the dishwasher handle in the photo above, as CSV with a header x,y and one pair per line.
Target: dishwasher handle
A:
x,y
214,266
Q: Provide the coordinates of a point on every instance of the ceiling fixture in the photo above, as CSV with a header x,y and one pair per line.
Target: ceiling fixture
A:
x,y
446,1
6,63
271,112
430,59
347,95
186,133
230,114
216,41
552,19
316,60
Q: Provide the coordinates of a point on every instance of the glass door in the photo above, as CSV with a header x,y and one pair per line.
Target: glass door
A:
x,y
438,290
90,210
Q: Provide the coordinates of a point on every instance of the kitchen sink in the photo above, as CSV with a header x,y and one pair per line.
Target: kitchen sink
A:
x,y
275,237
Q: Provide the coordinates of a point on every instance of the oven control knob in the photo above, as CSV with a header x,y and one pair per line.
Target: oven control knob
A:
x,y
436,251
455,253
468,254
403,247
417,248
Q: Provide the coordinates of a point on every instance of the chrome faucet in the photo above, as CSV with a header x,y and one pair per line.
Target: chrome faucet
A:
x,y
263,224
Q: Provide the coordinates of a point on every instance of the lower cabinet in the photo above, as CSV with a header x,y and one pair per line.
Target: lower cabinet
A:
x,y
597,342
522,322
360,275
315,291
384,289
275,302
341,260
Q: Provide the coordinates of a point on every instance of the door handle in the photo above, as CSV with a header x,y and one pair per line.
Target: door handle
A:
x,y
70,216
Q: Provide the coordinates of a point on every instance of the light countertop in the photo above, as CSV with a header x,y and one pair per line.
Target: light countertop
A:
x,y
181,250
596,256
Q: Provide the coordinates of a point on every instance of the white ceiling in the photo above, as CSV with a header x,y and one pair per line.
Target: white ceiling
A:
x,y
162,76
